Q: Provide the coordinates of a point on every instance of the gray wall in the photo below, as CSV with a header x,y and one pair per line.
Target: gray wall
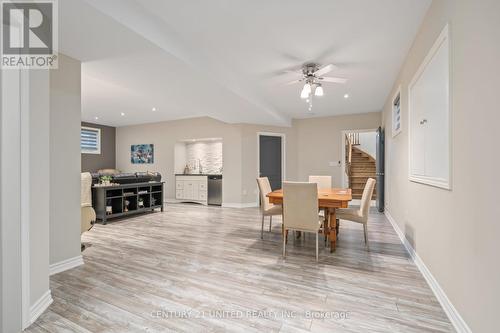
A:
x,y
107,158
65,117
455,232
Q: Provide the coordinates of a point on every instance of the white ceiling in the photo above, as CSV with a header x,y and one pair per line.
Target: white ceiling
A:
x,y
226,58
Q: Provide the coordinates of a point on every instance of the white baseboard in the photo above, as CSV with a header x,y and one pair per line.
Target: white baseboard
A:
x,y
64,265
177,201
40,306
452,313
224,204
240,205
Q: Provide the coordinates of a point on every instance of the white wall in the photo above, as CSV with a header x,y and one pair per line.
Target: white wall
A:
x,y
368,143
455,232
24,200
165,135
179,157
311,144
39,184
319,143
65,160
10,203
49,127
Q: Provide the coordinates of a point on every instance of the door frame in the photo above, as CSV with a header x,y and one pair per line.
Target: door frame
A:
x,y
342,150
283,154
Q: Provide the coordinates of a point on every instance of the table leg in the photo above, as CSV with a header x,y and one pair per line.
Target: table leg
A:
x,y
325,224
333,229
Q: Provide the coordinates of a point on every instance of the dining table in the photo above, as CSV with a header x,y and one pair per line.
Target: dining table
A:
x,y
328,200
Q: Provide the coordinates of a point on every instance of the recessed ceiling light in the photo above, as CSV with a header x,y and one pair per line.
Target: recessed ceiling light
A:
x,y
153,109
122,114
96,118
346,96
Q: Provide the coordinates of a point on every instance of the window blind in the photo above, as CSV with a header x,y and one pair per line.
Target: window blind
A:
x,y
90,140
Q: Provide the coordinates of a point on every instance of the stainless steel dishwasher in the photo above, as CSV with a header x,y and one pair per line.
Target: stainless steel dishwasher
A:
x,y
215,190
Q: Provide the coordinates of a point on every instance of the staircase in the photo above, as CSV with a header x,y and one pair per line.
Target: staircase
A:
x,y
359,167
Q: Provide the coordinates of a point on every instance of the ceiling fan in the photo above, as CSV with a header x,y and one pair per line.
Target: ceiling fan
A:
x,y
312,76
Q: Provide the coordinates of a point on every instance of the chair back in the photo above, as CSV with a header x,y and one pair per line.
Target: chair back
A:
x,y
324,182
86,189
300,206
264,189
367,197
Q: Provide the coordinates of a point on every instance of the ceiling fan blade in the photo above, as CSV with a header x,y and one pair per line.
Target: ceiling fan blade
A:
x,y
325,69
333,79
294,71
293,82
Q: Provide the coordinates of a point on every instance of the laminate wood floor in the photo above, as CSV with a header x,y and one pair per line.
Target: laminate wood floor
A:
x,y
205,269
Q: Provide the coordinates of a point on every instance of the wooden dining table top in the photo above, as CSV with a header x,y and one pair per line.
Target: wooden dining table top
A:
x,y
327,198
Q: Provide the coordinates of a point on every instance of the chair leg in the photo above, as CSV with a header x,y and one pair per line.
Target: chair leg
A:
x,y
325,225
284,242
365,229
262,228
317,247
270,222
325,236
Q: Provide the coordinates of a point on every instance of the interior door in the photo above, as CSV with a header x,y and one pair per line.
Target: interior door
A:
x,y
270,163
380,164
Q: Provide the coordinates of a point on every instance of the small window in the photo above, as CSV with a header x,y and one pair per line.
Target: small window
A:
x,y
90,140
396,114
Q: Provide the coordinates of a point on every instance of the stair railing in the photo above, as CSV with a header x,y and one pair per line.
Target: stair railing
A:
x,y
353,138
348,156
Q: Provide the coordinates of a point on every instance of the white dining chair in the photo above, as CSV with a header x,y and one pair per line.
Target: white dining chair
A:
x,y
324,182
300,210
267,208
359,215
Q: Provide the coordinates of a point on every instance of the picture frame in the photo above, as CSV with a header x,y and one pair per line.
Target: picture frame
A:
x,y
142,154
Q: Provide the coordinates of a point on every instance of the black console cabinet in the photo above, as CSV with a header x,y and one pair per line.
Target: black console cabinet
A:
x,y
123,200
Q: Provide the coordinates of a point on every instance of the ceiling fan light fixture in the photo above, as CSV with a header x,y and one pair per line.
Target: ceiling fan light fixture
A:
x,y
307,87
305,91
318,91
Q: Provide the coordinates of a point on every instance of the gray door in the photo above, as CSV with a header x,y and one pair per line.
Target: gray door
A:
x,y
270,159
380,169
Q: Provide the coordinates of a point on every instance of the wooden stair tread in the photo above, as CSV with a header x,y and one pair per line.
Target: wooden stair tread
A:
x,y
363,166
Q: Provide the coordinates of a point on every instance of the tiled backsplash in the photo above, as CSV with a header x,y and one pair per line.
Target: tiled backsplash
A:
x,y
208,153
